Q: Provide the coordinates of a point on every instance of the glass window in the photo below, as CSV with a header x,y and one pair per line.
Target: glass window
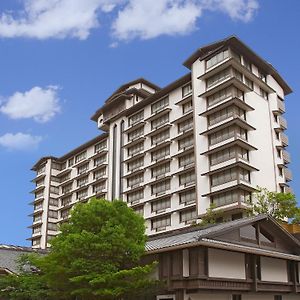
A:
x,y
217,58
187,90
159,105
136,118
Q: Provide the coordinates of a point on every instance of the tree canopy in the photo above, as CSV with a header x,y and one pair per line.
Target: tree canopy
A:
x,y
280,206
96,256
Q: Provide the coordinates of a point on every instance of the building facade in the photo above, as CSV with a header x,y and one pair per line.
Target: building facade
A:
x,y
210,137
246,259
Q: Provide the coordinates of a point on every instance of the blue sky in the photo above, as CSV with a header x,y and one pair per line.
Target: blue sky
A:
x,y
61,59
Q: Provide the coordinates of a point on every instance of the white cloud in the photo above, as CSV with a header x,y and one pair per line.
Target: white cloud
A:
x,y
43,19
143,19
240,10
146,20
37,103
19,141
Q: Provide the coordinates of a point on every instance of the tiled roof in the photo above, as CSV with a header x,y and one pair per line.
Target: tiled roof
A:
x,y
196,235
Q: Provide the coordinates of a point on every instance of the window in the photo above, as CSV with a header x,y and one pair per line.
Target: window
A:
x,y
188,197
160,223
82,169
187,90
135,180
229,92
223,177
99,174
263,93
225,198
249,83
135,134
54,190
161,170
159,105
39,194
187,107
221,115
222,156
52,226
135,165
37,218
188,216
134,119
280,171
65,177
139,210
185,143
187,178
36,242
135,197
262,76
185,125
99,160
38,206
53,202
277,297
217,58
160,121
247,65
82,194
100,146
227,133
53,214
41,170
40,182
71,162
80,157
244,175
36,230
236,297
65,201
67,188
135,149
160,188
99,187
186,160
219,77
160,137
160,153
82,181
56,166
160,205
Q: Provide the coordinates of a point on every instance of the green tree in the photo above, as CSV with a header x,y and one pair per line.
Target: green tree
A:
x,y
96,256
278,205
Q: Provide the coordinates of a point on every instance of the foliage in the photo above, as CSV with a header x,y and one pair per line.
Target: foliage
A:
x,y
278,205
96,256
211,216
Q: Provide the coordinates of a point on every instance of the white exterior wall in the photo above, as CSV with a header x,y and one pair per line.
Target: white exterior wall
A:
x,y
273,269
226,264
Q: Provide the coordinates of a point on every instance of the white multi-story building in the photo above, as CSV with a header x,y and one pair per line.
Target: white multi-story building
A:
x,y
210,137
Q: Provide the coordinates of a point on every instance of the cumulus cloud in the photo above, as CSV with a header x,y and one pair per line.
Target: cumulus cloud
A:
x,y
19,141
41,104
143,19
43,19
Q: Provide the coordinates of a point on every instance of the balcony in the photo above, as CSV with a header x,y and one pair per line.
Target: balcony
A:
x,y
284,139
281,105
287,174
282,122
286,156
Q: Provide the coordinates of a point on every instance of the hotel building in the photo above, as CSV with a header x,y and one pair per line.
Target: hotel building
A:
x,y
210,137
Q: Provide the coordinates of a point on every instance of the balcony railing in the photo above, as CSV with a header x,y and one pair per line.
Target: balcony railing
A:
x,y
284,139
288,174
286,156
282,122
281,105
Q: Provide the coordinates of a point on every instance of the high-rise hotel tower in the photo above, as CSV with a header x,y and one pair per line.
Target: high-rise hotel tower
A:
x,y
210,137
